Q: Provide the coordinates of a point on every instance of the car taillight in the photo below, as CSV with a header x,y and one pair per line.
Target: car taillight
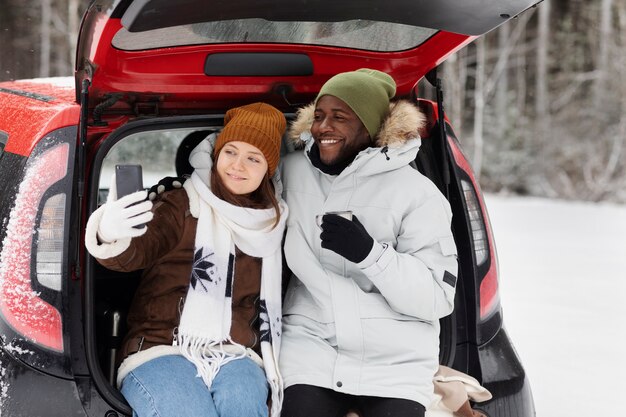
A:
x,y
488,292
51,232
22,307
479,233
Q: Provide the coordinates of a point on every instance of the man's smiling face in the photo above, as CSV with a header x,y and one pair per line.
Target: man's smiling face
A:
x,y
338,131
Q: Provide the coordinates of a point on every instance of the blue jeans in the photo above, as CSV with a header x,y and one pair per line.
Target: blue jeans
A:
x,y
168,387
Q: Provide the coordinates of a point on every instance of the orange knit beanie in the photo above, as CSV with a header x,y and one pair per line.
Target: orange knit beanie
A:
x,y
258,124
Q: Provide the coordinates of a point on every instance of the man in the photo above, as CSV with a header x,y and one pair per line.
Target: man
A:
x,y
361,312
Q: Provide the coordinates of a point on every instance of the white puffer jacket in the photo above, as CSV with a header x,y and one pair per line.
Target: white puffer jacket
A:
x,y
370,328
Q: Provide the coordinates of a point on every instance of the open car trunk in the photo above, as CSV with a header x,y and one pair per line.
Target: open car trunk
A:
x,y
111,292
160,57
151,73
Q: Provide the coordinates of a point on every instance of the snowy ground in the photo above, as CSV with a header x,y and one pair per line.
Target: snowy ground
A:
x,y
563,289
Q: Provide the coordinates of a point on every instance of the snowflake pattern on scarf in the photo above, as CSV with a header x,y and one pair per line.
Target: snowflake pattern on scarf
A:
x,y
265,328
203,271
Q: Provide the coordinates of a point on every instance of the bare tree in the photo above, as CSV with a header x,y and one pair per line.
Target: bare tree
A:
x,y
73,25
606,17
479,106
621,131
45,32
611,51
455,78
541,80
502,83
520,86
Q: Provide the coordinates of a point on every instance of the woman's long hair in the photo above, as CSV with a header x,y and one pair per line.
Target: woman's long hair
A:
x,y
261,198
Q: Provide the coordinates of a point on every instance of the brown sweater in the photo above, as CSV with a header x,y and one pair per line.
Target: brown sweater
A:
x,y
165,253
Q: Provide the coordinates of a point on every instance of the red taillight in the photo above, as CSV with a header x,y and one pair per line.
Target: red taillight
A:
x,y
21,306
489,295
483,246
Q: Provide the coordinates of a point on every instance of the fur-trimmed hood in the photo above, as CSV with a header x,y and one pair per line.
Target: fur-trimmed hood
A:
x,y
401,124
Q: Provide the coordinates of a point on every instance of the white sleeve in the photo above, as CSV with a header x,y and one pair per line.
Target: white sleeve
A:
x,y
418,276
99,249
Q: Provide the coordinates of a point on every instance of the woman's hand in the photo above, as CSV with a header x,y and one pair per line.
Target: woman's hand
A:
x,y
125,217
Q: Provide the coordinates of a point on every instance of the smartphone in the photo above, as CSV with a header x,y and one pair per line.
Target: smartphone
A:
x,y
128,179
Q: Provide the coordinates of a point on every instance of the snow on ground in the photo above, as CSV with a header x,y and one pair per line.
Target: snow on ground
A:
x,y
563,289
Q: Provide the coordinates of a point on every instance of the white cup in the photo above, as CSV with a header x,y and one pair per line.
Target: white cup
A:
x,y
346,214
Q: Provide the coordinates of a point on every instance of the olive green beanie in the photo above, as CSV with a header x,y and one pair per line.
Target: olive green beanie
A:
x,y
366,91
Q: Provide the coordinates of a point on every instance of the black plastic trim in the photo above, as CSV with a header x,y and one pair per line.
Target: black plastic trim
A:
x,y
11,173
22,93
504,376
258,64
28,392
4,138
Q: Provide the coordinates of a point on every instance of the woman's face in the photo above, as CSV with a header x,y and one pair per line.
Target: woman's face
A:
x,y
241,167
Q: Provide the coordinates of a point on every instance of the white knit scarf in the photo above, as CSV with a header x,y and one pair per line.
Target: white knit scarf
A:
x,y
206,318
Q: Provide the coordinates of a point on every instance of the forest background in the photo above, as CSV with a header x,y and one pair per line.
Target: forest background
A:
x,y
539,104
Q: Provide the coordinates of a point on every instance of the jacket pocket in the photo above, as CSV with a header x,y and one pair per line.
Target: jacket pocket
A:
x,y
299,301
374,306
447,245
399,342
166,308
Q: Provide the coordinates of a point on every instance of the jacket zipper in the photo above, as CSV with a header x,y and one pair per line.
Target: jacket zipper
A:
x,y
181,305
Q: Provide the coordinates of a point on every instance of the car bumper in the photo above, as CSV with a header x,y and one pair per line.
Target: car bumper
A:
x,y
504,376
26,392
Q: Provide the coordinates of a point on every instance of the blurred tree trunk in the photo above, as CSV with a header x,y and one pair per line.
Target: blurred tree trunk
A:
x,y
16,39
479,107
606,18
521,79
62,54
6,40
621,131
45,35
502,84
73,26
542,132
541,80
612,167
455,77
38,38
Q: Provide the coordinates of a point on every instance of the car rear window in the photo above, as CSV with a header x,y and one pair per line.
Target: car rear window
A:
x,y
354,34
155,150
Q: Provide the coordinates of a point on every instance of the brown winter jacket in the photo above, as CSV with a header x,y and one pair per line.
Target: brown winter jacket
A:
x,y
165,253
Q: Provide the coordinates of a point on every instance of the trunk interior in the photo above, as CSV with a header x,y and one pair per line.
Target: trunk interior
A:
x,y
110,293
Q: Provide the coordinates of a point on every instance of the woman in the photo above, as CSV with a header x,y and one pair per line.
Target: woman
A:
x,y
204,325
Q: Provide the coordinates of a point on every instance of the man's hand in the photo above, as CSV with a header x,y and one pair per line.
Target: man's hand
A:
x,y
165,184
346,238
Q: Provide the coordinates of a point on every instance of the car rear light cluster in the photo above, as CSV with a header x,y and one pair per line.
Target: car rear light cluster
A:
x,y
50,242
22,307
488,292
479,233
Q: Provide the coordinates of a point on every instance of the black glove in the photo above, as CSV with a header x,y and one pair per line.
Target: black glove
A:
x,y
165,184
346,238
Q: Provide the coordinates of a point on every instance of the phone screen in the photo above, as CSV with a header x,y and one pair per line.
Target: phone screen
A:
x,y
128,179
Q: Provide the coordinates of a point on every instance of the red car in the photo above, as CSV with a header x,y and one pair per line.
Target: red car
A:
x,y
152,75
